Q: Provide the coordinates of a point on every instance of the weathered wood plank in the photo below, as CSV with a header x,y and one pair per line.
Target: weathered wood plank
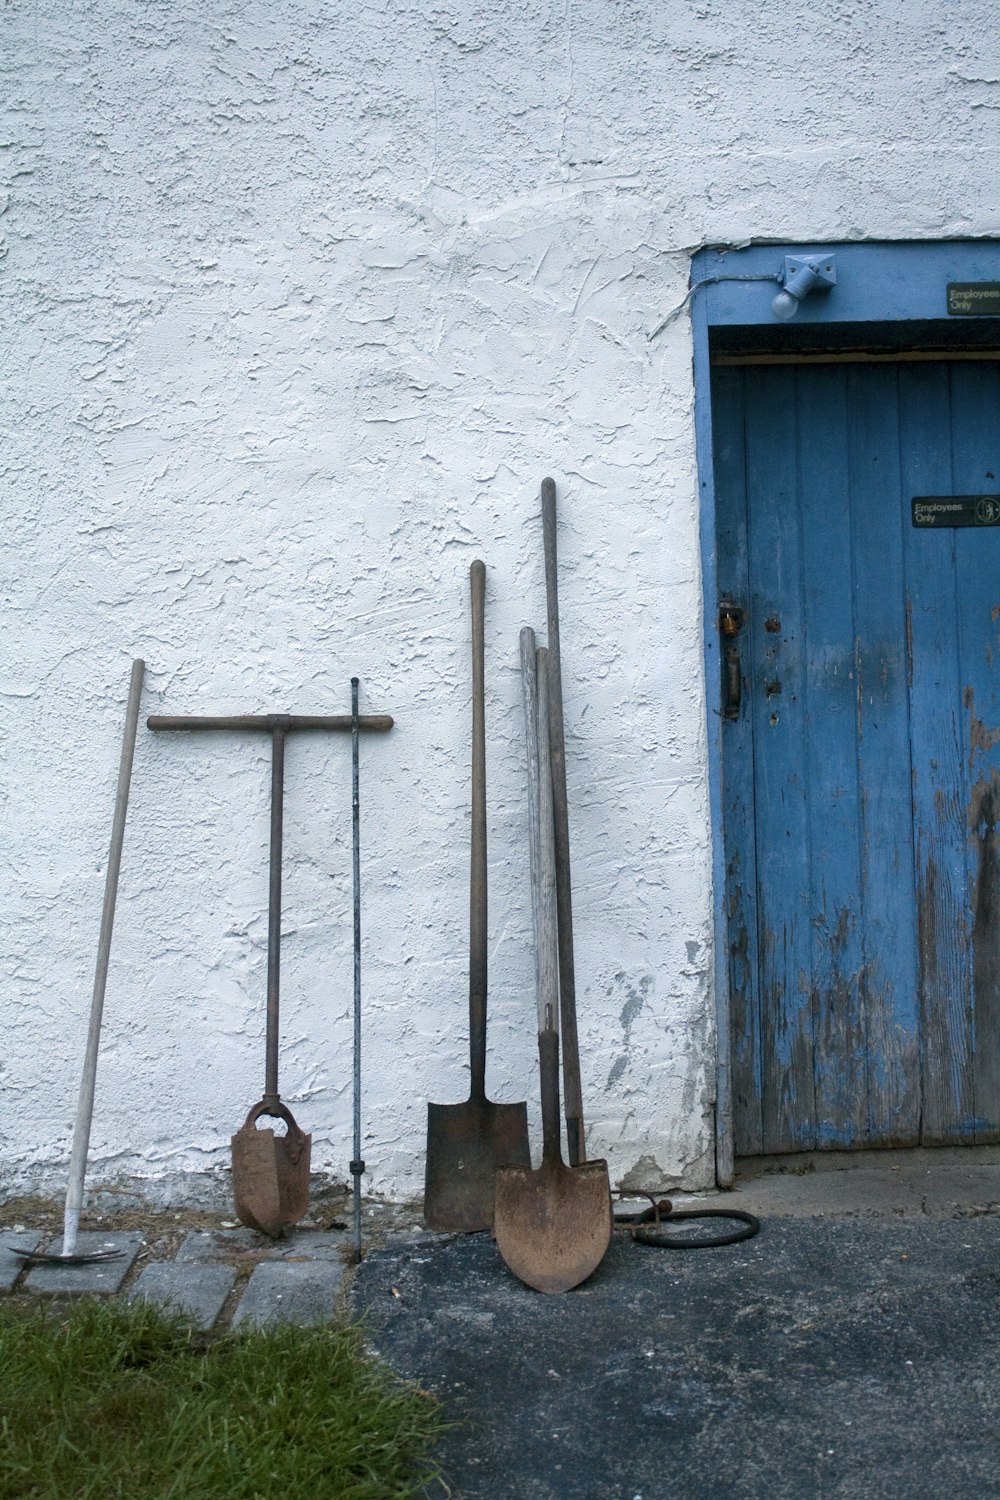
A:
x,y
775,629
975,411
879,517
831,764
741,862
937,771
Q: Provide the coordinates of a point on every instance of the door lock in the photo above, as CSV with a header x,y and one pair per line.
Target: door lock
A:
x,y
731,618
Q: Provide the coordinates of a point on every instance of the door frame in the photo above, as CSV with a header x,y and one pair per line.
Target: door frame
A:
x,y
889,297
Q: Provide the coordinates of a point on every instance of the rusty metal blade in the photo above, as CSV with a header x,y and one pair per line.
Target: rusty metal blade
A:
x,y
270,1172
466,1143
553,1225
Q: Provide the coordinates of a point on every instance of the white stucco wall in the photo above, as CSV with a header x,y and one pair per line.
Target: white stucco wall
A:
x,y
300,303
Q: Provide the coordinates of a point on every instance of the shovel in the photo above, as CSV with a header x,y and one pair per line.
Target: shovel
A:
x,y
553,1225
564,900
467,1142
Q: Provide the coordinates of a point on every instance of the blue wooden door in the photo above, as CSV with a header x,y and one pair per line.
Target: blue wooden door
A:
x,y
861,776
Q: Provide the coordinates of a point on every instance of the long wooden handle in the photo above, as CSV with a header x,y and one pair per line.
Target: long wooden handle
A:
x,y
548,1072
85,1104
546,921
534,690
477,881
529,703
270,722
567,971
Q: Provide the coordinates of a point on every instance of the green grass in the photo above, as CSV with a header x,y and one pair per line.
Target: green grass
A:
x,y
108,1402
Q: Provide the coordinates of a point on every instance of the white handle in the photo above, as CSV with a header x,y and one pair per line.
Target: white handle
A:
x,y
85,1104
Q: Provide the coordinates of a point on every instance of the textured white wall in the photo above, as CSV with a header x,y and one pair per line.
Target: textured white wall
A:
x,y
299,303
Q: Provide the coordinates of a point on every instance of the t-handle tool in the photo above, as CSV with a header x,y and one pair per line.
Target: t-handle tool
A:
x,y
271,1172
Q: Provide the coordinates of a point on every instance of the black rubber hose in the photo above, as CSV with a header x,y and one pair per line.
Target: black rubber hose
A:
x,y
660,1236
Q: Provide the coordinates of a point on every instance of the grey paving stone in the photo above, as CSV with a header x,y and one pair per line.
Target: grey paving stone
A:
x,y
198,1291
96,1277
312,1244
281,1291
215,1244
12,1265
202,1246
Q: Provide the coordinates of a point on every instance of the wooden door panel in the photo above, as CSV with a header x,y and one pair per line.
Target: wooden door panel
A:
x,y
778,710
862,781
885,831
975,427
741,852
936,734
838,973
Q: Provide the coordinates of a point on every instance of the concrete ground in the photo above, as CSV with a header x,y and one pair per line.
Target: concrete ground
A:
x,y
851,1349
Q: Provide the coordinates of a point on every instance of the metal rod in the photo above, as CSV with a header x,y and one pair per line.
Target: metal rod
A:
x,y
274,915
268,721
85,1104
357,1165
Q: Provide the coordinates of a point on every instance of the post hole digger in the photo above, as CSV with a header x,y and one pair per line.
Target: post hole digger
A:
x,y
271,1171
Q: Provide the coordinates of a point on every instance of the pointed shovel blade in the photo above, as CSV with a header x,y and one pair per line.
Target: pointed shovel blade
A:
x,y
270,1172
553,1225
466,1143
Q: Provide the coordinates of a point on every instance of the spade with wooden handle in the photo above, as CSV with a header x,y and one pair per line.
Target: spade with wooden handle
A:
x,y
553,1225
466,1143
573,1100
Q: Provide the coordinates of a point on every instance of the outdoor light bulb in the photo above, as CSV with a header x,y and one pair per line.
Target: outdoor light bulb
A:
x,y
803,275
785,306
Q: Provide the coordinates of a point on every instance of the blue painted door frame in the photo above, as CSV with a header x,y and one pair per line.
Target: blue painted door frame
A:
x,y
896,287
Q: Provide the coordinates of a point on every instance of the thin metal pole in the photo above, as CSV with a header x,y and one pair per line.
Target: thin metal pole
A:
x,y
357,1165
85,1104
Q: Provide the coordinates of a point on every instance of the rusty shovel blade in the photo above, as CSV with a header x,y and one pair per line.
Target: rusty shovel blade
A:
x,y
553,1225
270,1172
466,1143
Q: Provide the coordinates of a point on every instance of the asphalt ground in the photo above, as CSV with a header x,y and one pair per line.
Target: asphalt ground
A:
x,y
844,1352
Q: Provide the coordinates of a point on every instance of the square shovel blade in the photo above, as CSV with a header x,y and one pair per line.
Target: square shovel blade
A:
x,y
553,1226
270,1175
466,1143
